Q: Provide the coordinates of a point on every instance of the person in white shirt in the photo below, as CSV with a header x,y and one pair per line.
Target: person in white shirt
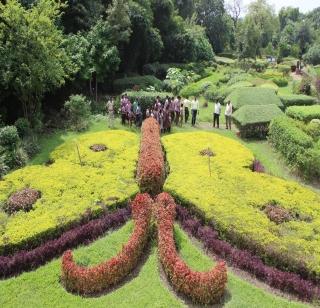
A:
x,y
194,110
228,114
216,114
186,104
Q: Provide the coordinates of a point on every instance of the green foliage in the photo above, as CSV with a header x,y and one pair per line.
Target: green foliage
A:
x,y
253,96
304,113
280,81
23,127
140,82
289,140
199,87
9,137
147,99
32,60
313,55
254,120
297,100
78,110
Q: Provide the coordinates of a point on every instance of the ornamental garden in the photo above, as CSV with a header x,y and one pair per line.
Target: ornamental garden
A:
x,y
105,205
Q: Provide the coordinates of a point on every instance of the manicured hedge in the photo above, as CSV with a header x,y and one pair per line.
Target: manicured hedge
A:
x,y
253,96
69,187
304,113
245,260
254,120
297,100
151,167
95,279
32,259
147,99
201,287
233,199
199,87
288,139
141,82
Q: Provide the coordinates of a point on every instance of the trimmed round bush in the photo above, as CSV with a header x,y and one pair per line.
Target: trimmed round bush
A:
x,y
9,137
297,100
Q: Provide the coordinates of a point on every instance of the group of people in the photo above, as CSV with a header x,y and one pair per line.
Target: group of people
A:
x,y
171,110
227,113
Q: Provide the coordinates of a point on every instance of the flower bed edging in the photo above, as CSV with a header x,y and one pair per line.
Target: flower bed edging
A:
x,y
243,259
92,280
201,287
29,260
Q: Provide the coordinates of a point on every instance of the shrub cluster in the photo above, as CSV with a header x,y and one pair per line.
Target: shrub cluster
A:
x,y
304,113
297,100
288,139
280,81
201,287
232,197
139,82
151,167
30,260
95,279
253,96
254,120
103,180
245,260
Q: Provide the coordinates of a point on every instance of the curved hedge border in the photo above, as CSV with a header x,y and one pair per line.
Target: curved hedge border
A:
x,y
245,260
95,279
29,260
151,167
201,287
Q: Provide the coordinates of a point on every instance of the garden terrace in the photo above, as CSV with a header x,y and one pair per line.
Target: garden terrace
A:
x,y
79,181
233,197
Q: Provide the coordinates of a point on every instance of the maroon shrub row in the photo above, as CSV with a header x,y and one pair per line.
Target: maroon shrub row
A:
x,y
245,260
29,260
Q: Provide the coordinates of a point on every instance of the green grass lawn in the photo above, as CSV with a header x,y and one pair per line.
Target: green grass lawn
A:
x,y
41,288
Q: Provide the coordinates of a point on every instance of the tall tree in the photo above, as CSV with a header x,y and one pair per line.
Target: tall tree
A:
x,y
32,59
185,7
288,14
235,8
211,15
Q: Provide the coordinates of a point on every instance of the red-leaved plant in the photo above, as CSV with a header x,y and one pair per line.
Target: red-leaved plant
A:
x,y
92,280
201,287
151,167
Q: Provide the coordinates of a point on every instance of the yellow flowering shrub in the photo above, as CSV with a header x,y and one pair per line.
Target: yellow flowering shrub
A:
x,y
69,189
234,197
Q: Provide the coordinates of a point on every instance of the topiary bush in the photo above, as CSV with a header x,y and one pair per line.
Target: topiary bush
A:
x,y
289,140
253,96
253,120
280,82
304,113
138,82
78,110
23,127
297,100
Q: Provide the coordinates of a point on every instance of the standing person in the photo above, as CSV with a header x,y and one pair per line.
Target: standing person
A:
x,y
186,104
216,114
177,109
194,110
181,115
123,110
171,108
228,114
138,115
110,111
166,119
134,106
